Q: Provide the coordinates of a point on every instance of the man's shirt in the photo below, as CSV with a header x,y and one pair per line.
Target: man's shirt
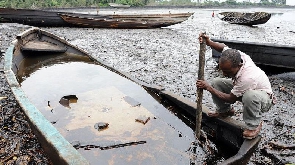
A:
x,y
249,77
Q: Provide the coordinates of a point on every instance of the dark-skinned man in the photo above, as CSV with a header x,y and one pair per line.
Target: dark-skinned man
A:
x,y
244,82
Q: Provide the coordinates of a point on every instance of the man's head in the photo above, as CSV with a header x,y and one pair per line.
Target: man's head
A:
x,y
230,62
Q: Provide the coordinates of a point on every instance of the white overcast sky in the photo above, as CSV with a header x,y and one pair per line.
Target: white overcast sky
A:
x,y
290,2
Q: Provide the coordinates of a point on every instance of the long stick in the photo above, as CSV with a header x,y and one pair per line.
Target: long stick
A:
x,y
200,91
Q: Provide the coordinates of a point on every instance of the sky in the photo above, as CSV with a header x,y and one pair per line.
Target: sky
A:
x,y
290,2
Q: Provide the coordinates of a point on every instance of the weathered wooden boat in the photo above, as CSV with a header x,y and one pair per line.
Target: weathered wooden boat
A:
x,y
144,21
106,130
151,16
241,18
47,18
116,5
39,18
282,56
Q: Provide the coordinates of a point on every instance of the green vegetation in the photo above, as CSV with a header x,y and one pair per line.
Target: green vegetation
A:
x,y
101,3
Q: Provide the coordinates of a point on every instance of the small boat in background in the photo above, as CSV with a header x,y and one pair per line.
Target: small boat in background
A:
x,y
241,18
116,5
48,18
39,18
137,21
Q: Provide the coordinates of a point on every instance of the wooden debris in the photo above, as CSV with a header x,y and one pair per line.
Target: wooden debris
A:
x,y
280,145
142,119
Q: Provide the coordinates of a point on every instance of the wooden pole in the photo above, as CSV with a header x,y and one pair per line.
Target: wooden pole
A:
x,y
200,91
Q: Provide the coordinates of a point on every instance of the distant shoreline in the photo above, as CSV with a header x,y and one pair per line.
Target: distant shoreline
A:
x,y
174,7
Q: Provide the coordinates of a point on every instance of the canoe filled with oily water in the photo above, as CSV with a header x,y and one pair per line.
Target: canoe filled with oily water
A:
x,y
85,112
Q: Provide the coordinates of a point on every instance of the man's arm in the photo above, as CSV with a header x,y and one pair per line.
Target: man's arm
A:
x,y
215,45
229,98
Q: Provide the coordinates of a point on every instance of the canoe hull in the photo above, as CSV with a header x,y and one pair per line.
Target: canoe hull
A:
x,y
265,54
43,18
37,18
126,21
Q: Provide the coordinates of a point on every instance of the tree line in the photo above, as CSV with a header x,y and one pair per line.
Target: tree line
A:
x,y
104,3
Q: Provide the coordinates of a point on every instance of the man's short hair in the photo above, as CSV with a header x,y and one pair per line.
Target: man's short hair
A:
x,y
231,55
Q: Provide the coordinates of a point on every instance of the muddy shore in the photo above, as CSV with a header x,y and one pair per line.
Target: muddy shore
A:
x,y
165,57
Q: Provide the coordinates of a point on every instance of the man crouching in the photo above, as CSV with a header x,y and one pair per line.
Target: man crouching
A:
x,y
244,82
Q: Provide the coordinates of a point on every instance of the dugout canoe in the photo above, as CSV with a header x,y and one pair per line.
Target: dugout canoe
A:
x,y
116,5
243,18
162,135
138,21
48,18
155,16
276,55
39,18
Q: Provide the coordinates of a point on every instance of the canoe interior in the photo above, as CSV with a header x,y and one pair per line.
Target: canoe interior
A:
x,y
282,56
40,46
170,116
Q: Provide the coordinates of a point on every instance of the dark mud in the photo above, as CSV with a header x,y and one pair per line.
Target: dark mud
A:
x,y
169,57
18,143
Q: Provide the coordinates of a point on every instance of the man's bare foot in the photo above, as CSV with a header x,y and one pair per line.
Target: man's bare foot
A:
x,y
223,115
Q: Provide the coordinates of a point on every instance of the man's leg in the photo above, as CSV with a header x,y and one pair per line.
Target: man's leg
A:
x,y
224,85
255,102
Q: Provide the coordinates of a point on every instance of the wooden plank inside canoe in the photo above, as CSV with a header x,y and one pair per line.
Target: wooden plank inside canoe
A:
x,y
41,46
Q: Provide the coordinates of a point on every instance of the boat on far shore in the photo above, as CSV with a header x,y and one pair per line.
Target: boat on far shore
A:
x,y
242,18
137,21
49,18
116,5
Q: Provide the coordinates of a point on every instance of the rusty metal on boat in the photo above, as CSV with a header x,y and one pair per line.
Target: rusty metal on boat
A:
x,y
226,131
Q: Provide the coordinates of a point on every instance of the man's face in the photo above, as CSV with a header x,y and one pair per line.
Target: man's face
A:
x,y
227,69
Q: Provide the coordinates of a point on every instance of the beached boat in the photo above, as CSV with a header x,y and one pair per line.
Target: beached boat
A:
x,y
39,18
143,21
48,18
120,119
151,16
241,18
116,5
262,53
